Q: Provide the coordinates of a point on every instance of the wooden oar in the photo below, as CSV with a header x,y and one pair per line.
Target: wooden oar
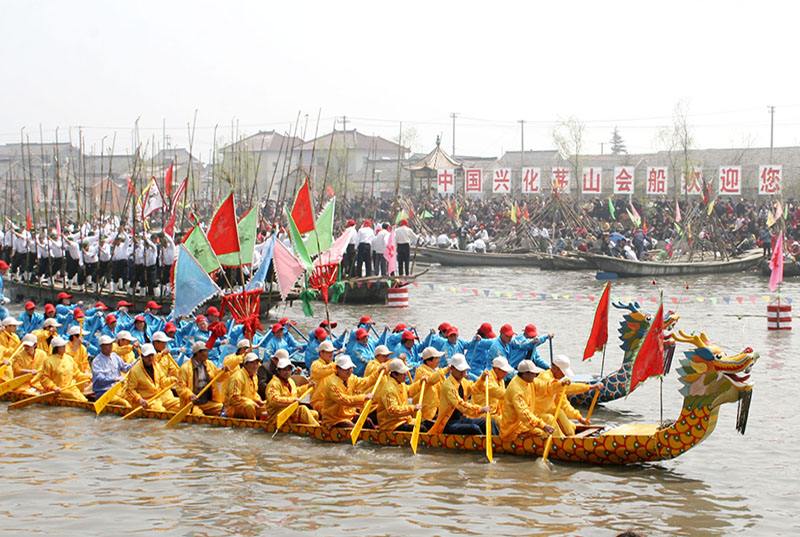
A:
x,y
106,398
417,421
183,412
549,443
139,408
287,412
354,434
10,359
489,454
37,398
591,407
15,383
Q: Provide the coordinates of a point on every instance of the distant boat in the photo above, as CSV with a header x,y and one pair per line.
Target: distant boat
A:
x,y
626,267
566,262
460,258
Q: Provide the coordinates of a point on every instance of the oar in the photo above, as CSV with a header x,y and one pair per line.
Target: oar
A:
x,y
139,408
112,392
10,359
287,412
15,383
591,407
183,412
298,332
489,455
549,443
417,421
37,398
550,341
365,412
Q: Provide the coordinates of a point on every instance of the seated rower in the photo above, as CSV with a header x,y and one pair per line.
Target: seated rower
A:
x,y
77,350
231,364
408,350
526,347
28,360
9,340
456,415
519,402
433,378
125,345
382,355
59,372
282,392
394,412
241,394
164,357
267,370
107,370
145,379
342,394
194,375
46,333
321,368
497,388
551,385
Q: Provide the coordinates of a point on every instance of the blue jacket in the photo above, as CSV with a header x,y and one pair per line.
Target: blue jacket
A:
x,y
527,348
360,354
30,322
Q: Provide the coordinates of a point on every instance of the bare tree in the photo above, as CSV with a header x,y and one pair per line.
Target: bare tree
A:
x,y
568,138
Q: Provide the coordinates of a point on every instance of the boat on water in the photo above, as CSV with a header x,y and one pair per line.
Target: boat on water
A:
x,y
627,268
372,289
790,268
460,258
565,262
709,377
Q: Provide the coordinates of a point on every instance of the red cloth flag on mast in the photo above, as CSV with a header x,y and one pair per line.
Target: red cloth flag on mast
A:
x,y
302,212
222,233
169,228
598,337
168,181
649,360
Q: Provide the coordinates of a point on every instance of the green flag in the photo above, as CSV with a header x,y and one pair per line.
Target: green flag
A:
x,y
297,242
198,245
402,215
323,230
427,214
612,210
246,229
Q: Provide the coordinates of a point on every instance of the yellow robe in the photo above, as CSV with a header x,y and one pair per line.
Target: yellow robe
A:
x,y
519,402
81,357
393,409
548,391
233,362
497,390
242,400
42,337
139,385
167,363
185,389
9,341
340,402
279,396
61,371
450,400
433,382
319,372
125,352
23,361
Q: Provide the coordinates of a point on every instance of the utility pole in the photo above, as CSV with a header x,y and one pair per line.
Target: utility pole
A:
x,y
344,123
602,147
521,146
453,116
771,129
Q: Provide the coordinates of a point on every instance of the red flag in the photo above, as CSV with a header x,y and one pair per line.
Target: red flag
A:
x,y
169,228
649,360
222,233
598,337
168,180
28,221
302,213
131,187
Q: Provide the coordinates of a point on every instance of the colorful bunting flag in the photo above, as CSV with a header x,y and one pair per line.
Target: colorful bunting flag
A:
x,y
321,237
649,360
297,242
193,285
197,244
390,253
258,279
776,263
287,268
246,228
598,337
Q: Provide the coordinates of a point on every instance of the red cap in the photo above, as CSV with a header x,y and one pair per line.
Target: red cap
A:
x,y
444,327
399,328
452,331
124,304
100,305
3,265
62,295
367,223
153,305
506,330
331,324
531,330
361,333
320,334
49,308
486,331
285,320
170,328
30,304
407,336
111,318
366,319
350,222
403,222
200,318
212,310
78,313
277,327
139,319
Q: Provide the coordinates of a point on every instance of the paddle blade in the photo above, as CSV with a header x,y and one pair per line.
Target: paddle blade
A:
x,y
591,407
30,400
547,445
106,398
15,383
285,414
417,421
356,432
489,454
132,413
179,416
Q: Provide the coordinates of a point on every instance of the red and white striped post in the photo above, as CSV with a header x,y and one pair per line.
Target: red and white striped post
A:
x,y
397,297
779,316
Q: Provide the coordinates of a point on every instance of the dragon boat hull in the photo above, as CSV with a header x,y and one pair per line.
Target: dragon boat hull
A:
x,y
628,268
460,258
565,262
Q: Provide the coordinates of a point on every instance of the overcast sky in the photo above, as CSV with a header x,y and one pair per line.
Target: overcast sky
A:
x,y
102,64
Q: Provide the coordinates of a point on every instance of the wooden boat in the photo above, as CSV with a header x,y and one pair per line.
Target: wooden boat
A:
x,y
565,262
373,289
709,378
460,258
626,267
790,268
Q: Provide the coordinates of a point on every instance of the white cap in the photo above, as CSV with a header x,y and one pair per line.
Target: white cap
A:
x,y
198,346
10,321
527,366
343,361
51,322
106,340
124,334
326,346
459,362
58,342
431,352
562,362
283,362
74,331
396,365
148,349
243,344
280,354
29,340
251,357
161,337
501,363
382,350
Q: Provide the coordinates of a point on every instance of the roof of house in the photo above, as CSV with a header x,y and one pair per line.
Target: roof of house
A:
x,y
352,139
263,141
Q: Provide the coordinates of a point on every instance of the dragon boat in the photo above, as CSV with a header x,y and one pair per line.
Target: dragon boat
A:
x,y
628,268
709,379
632,330
461,258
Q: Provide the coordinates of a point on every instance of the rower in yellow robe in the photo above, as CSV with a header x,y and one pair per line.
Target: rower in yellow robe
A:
x,y
342,394
145,379
497,388
242,399
125,345
9,341
382,355
59,372
456,415
193,376
28,360
281,392
47,332
321,368
394,412
519,402
77,350
231,363
550,385
433,377
163,357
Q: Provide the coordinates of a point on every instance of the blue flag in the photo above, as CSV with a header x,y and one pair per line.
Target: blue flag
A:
x,y
261,274
193,285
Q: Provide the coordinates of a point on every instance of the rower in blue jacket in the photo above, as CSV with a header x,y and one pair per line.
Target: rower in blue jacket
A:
x,y
361,350
479,355
526,347
409,349
30,318
453,345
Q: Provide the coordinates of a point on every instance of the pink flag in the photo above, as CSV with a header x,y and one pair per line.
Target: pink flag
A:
x,y
287,267
391,253
677,212
776,263
335,253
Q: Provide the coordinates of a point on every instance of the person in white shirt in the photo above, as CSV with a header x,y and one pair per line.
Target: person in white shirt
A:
x,y
22,261
120,252
74,260
166,259
404,237
150,265
349,258
380,266
364,252
42,249
89,251
443,241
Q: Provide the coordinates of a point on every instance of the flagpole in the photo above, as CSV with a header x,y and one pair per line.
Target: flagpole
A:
x,y
661,377
603,361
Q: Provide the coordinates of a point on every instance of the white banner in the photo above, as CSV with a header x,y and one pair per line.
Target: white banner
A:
x,y
560,180
623,179
693,187
730,180
473,181
592,180
769,179
501,181
446,181
657,177
531,180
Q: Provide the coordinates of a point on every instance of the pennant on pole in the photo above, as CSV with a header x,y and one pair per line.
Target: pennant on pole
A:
x,y
390,254
197,244
222,233
287,268
598,337
323,230
677,212
302,213
297,242
193,285
335,253
168,180
258,279
776,263
246,228
150,199
169,228
649,360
